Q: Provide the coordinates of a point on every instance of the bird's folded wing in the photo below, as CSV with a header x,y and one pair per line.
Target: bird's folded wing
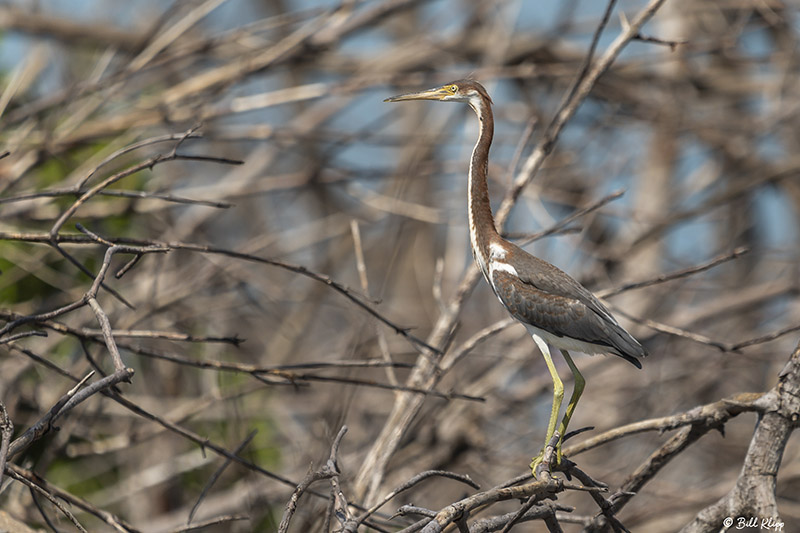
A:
x,y
567,314
552,280
561,315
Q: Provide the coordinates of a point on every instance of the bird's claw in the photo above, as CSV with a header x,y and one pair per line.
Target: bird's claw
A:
x,y
537,466
542,470
550,456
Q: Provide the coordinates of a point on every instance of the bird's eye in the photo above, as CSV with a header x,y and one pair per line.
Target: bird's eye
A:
x,y
453,89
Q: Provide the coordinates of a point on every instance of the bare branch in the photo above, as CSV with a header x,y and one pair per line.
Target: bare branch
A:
x,y
6,432
710,416
663,278
65,404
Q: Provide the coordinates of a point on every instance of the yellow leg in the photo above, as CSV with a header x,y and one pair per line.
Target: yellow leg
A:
x,y
580,383
558,397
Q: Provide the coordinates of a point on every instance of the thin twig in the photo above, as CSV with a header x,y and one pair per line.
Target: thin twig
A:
x,y
115,522
17,336
328,471
37,488
65,404
562,225
422,476
217,473
199,526
663,278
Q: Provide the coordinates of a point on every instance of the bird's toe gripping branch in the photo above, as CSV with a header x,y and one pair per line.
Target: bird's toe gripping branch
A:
x,y
542,464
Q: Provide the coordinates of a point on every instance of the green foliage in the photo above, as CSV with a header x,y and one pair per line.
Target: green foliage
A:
x,y
263,449
269,520
18,285
66,473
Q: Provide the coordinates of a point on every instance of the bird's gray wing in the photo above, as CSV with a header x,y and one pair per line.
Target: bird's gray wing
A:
x,y
562,316
553,280
546,297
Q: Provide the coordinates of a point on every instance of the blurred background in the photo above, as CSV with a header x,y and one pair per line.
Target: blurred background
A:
x,y
696,122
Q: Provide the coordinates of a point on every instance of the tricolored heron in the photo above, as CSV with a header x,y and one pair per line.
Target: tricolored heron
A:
x,y
557,310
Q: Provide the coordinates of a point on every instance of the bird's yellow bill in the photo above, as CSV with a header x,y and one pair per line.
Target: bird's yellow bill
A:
x,y
430,94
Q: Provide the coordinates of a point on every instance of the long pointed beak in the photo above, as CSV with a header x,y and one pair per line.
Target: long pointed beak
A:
x,y
430,94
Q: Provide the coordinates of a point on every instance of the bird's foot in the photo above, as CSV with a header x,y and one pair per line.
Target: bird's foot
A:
x,y
541,469
537,467
550,456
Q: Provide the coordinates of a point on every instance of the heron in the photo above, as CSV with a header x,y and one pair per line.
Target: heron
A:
x,y
556,310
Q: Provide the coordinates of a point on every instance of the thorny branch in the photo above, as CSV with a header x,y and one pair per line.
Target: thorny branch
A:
x,y
329,471
71,399
35,488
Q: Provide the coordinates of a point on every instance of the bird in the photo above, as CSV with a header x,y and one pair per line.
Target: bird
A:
x,y
555,308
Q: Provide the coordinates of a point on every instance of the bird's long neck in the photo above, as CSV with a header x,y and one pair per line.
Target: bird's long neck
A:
x,y
481,222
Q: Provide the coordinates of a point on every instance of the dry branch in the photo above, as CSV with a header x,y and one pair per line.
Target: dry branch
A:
x,y
753,495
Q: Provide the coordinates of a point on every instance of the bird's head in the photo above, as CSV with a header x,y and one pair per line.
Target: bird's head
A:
x,y
468,91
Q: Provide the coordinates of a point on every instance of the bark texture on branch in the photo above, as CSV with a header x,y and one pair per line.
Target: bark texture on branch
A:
x,y
754,492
